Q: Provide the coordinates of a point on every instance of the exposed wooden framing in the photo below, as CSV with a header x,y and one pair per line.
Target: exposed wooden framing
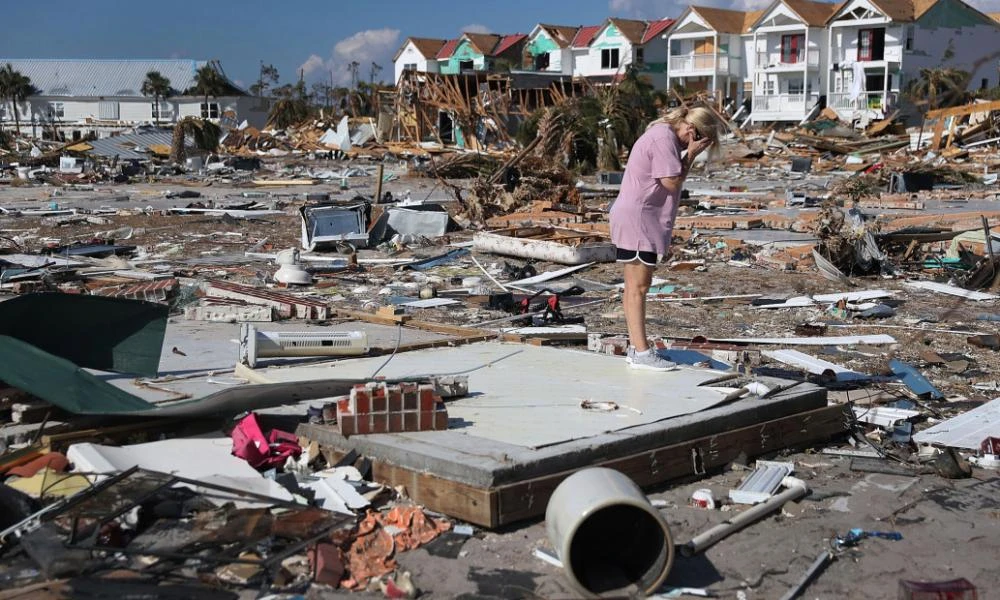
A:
x,y
939,115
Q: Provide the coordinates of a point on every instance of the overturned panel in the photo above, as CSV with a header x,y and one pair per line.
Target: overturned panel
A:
x,y
323,227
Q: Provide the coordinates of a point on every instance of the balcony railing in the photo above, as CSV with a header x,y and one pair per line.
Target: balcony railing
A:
x,y
687,63
865,101
794,60
792,104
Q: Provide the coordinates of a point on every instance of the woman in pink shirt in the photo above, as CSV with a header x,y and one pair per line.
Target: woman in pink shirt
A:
x,y
642,217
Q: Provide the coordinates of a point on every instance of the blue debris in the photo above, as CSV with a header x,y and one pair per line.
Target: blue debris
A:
x,y
912,378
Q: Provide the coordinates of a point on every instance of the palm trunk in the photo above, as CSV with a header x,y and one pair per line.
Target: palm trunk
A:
x,y
156,101
17,118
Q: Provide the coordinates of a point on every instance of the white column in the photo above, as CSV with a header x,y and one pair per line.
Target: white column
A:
x,y
805,75
668,65
885,86
753,76
829,61
715,62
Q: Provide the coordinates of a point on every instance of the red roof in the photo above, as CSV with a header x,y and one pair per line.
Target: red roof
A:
x,y
507,42
585,35
656,28
447,50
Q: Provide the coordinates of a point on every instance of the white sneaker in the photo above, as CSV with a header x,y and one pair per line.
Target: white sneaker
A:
x,y
648,361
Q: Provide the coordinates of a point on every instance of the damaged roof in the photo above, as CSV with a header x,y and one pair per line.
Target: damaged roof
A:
x,y
633,30
447,50
585,35
508,42
115,78
904,10
427,47
562,35
484,43
133,146
656,28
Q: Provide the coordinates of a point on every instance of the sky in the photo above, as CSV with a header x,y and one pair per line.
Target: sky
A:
x,y
318,38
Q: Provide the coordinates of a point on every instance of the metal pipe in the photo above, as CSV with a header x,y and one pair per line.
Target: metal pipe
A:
x,y
607,534
822,560
794,488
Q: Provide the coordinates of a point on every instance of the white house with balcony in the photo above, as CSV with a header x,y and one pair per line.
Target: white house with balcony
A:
x,y
417,54
877,47
789,41
707,52
81,98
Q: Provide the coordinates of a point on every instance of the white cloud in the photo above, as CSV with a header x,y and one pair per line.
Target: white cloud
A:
x,y
373,46
475,28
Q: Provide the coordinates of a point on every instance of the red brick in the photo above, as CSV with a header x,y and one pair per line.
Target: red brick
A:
x,y
344,405
395,399
361,401
440,419
379,404
380,423
409,396
411,421
395,422
327,564
426,392
364,423
347,423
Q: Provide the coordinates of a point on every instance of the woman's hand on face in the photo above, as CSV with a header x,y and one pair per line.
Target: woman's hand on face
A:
x,y
696,147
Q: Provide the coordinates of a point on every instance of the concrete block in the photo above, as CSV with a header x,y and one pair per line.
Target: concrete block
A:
x,y
229,313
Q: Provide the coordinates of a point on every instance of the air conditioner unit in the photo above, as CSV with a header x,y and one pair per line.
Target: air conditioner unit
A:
x,y
279,344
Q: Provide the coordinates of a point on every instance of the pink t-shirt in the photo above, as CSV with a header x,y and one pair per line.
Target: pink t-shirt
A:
x,y
642,217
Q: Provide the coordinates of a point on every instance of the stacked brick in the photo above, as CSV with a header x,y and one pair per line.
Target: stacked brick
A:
x,y
377,407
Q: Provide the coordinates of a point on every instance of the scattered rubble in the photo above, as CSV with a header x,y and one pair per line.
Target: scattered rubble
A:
x,y
856,269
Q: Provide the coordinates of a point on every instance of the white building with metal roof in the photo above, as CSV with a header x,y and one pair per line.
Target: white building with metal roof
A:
x,y
81,98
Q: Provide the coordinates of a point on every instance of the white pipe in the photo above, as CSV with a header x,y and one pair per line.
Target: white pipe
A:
x,y
607,534
794,488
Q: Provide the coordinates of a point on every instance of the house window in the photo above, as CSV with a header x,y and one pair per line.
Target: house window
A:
x,y
57,110
542,61
162,113
609,58
795,86
769,87
210,110
466,65
675,47
640,56
410,67
871,44
909,37
792,47
984,83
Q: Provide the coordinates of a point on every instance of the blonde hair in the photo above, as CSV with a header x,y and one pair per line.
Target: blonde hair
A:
x,y
700,117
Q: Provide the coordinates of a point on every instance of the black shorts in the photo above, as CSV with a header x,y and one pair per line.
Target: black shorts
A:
x,y
627,256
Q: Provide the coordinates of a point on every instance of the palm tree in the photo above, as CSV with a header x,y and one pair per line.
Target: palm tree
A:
x,y
942,87
205,133
16,87
157,86
208,81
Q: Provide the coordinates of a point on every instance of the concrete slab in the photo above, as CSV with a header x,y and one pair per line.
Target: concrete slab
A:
x,y
531,396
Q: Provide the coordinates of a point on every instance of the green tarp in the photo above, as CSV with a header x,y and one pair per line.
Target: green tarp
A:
x,y
108,334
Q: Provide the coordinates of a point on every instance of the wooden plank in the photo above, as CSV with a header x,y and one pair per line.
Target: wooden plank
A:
x,y
455,330
120,433
528,499
457,500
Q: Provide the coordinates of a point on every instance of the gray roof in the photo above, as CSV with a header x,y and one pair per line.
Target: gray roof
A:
x,y
102,77
126,146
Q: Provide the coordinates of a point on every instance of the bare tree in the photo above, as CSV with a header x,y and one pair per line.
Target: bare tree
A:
x,y
353,68
372,72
